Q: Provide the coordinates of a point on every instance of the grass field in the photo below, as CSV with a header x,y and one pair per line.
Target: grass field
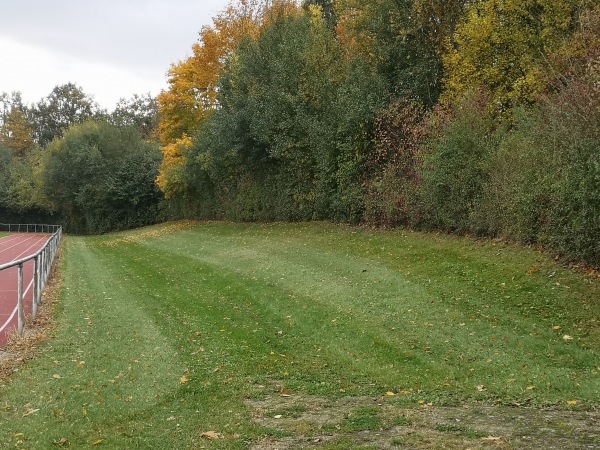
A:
x,y
307,336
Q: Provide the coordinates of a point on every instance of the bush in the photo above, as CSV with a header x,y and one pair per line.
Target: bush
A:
x,y
518,192
101,178
573,132
454,170
392,168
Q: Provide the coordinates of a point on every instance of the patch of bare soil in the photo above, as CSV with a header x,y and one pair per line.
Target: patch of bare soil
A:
x,y
20,349
312,423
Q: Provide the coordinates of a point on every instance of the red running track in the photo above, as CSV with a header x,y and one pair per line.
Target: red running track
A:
x,y
13,248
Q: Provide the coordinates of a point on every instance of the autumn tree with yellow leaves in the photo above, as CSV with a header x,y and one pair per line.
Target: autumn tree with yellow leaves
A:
x,y
503,46
16,133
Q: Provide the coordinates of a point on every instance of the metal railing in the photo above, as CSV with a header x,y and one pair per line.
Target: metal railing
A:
x,y
29,228
43,260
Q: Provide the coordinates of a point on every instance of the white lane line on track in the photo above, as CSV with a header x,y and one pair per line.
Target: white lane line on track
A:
x,y
7,323
19,240
35,244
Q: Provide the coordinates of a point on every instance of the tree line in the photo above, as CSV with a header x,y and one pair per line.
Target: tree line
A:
x,y
65,160
470,117
478,117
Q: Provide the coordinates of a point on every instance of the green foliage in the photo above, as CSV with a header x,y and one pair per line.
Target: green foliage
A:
x,y
140,111
16,132
518,194
536,181
454,165
266,108
66,105
352,128
6,156
21,196
327,9
8,102
101,177
402,40
292,131
572,135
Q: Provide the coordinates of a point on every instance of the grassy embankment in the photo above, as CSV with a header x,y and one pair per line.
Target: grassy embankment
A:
x,y
173,331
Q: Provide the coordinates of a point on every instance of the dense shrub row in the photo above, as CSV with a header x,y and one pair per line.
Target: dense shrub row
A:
x,y
308,127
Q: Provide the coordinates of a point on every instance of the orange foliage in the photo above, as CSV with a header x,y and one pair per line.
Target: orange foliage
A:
x,y
193,83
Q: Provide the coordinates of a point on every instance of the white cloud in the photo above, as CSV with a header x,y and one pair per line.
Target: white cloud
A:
x,y
110,48
40,70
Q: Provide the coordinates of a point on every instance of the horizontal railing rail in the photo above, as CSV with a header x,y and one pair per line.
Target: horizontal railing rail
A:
x,y
43,260
29,228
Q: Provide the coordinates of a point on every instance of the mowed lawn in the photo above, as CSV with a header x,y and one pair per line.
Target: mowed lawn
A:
x,y
169,336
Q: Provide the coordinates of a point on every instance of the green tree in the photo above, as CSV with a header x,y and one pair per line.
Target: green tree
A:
x,y
268,103
292,128
402,40
101,178
6,156
140,111
454,170
65,106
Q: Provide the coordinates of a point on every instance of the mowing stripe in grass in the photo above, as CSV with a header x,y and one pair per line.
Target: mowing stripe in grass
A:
x,y
162,334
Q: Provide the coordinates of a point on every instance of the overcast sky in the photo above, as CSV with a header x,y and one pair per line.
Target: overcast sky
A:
x,y
109,48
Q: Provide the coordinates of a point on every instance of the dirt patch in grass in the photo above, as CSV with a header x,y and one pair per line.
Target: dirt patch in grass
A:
x,y
361,423
20,349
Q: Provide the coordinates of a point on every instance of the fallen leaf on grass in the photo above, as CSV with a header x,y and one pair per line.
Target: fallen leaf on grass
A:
x,y
530,388
30,411
211,435
56,376
390,393
566,337
97,442
61,442
183,380
572,402
556,327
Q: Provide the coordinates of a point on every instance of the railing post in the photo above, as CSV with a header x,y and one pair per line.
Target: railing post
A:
x,y
43,256
35,302
21,312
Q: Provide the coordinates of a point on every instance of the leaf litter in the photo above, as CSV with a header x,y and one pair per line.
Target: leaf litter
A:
x,y
472,426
